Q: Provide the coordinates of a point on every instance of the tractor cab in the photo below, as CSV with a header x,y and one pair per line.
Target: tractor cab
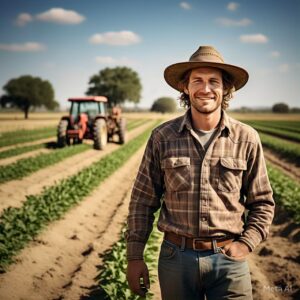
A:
x,y
89,107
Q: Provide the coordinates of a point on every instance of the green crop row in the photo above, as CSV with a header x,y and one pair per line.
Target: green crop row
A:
x,y
291,126
287,150
136,123
24,136
18,226
112,275
282,133
20,150
26,166
286,192
24,149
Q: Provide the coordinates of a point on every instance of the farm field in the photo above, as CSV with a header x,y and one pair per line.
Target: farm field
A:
x,y
62,211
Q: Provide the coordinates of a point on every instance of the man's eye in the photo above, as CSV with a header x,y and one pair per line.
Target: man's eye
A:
x,y
215,82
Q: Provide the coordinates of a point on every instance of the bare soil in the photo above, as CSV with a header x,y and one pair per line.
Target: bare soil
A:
x,y
285,166
63,261
48,268
14,192
275,263
10,160
47,140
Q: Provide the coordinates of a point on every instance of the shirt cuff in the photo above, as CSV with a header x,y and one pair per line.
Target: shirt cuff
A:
x,y
135,250
251,238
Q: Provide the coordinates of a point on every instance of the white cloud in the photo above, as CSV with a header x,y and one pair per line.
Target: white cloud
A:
x,y
121,38
26,47
254,38
229,22
284,68
61,16
275,54
232,6
23,19
185,5
108,60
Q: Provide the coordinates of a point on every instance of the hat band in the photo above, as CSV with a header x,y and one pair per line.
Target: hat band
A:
x,y
205,54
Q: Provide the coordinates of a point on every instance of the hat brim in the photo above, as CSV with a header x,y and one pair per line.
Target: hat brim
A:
x,y
174,73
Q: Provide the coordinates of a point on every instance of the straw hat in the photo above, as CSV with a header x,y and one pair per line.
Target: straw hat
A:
x,y
205,56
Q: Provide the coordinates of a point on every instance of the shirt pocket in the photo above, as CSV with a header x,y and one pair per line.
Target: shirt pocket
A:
x,y
177,172
231,173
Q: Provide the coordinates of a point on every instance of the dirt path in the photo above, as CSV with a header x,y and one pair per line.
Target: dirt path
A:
x,y
14,192
275,263
41,141
47,268
10,160
286,167
62,261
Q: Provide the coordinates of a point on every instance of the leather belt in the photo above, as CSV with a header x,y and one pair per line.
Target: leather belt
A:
x,y
196,243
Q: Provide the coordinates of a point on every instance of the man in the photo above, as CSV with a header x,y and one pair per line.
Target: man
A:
x,y
207,173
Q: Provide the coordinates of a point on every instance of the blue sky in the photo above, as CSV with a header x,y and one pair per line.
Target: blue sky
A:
x,y
66,42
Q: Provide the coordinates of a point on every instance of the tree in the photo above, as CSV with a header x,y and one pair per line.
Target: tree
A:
x,y
117,84
26,92
164,104
280,108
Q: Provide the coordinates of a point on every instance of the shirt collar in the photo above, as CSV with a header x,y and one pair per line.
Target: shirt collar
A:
x,y
187,121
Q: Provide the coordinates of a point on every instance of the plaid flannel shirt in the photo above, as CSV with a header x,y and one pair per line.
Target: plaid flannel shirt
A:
x,y
201,193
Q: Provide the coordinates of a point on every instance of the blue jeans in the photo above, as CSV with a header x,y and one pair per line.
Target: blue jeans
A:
x,y
189,275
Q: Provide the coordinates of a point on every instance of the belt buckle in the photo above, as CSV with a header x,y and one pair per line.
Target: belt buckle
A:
x,y
194,243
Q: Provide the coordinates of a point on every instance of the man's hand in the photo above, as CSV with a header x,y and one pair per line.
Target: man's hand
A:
x,y
236,249
136,270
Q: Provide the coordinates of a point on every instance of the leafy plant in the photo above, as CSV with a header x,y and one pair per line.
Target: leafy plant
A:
x,y
112,276
18,226
23,136
20,150
26,166
286,192
285,149
279,132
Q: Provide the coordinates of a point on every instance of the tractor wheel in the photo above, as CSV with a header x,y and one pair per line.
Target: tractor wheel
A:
x,y
122,130
62,139
100,134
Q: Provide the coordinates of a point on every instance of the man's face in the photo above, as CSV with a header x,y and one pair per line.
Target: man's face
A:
x,y
205,89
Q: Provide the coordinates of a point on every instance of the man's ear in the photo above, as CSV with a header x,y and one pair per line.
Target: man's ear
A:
x,y
185,90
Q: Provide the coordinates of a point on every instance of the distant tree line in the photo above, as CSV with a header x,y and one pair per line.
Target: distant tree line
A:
x,y
119,84
284,108
280,107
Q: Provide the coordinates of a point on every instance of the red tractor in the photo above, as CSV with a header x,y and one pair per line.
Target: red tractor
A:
x,y
89,119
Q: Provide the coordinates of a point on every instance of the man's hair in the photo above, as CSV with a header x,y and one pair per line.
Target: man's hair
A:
x,y
228,89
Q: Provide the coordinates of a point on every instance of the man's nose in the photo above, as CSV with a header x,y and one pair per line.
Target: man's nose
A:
x,y
205,87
